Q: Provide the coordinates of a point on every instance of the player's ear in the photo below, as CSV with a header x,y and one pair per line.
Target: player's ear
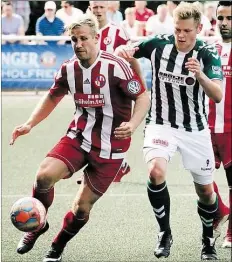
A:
x,y
199,28
96,38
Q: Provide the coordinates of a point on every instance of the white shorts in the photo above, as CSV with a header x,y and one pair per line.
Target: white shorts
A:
x,y
195,148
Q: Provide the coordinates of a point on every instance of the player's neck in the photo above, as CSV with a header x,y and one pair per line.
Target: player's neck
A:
x,y
102,24
226,41
87,63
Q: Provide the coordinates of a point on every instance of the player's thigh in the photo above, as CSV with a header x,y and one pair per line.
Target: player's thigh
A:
x,y
223,142
217,156
68,152
159,142
197,154
100,172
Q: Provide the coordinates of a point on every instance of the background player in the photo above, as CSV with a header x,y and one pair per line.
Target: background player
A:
x,y
103,87
184,71
220,118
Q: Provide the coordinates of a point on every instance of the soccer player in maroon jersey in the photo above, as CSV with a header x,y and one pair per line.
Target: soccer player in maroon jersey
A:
x,y
110,37
103,87
220,117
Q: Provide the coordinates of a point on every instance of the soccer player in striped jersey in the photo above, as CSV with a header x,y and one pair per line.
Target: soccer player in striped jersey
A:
x,y
185,72
103,87
110,37
220,117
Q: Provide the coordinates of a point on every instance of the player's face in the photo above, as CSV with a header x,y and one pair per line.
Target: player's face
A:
x,y
84,43
99,9
186,33
224,15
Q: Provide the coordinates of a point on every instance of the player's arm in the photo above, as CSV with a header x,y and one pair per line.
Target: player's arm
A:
x,y
134,89
211,76
43,109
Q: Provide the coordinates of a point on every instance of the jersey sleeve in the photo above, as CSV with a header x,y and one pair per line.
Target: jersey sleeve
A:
x,y
60,85
146,48
123,37
212,63
129,82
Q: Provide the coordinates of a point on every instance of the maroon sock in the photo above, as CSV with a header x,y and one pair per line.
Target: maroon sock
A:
x,y
221,205
229,231
46,196
71,226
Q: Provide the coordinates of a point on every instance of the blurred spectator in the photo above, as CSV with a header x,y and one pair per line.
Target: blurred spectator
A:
x,y
142,14
113,13
12,24
130,24
206,28
23,9
210,13
68,13
50,25
160,23
171,5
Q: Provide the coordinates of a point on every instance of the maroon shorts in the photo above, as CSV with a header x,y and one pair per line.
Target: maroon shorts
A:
x,y
222,148
99,172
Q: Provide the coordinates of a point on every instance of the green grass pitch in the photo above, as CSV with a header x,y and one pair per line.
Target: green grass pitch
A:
x,y
122,226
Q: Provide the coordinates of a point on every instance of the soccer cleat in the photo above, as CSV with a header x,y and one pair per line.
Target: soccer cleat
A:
x,y
28,240
219,221
208,249
125,169
164,244
54,254
227,241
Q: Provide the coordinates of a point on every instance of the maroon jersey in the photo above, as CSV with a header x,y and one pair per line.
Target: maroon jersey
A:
x,y
220,115
103,95
111,36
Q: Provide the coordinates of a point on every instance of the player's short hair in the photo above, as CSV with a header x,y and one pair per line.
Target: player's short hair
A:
x,y
129,10
224,3
187,11
85,19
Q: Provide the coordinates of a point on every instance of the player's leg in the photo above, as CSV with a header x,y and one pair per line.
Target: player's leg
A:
x,y
99,174
219,142
59,163
158,148
197,154
228,239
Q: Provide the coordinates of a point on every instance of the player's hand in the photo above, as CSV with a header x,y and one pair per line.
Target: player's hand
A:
x,y
19,131
193,65
125,130
126,51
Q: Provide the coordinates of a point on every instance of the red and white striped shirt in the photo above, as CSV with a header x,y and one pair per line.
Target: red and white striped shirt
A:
x,y
220,115
103,95
111,36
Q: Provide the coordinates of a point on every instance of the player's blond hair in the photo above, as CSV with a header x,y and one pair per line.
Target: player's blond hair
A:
x,y
85,19
187,11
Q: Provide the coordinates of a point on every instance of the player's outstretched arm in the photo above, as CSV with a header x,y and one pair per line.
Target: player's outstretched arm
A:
x,y
126,129
42,110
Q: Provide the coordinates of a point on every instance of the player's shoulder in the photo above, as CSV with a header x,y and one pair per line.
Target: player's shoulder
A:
x,y
206,49
157,41
119,63
69,61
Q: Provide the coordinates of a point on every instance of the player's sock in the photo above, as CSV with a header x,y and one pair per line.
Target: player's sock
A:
x,y
71,226
207,214
160,201
46,196
221,206
229,180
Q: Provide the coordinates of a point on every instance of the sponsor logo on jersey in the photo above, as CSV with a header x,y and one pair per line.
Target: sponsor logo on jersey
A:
x,y
134,87
86,82
217,70
227,71
100,81
89,100
176,79
107,40
160,142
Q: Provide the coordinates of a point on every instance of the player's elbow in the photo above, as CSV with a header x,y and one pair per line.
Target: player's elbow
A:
x,y
217,96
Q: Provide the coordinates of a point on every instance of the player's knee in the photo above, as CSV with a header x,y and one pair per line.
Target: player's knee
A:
x,y
206,194
156,171
45,177
81,210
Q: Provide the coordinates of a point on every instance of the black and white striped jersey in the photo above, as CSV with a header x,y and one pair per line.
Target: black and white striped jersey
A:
x,y
177,98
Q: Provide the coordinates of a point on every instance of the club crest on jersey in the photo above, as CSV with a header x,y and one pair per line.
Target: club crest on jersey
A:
x,y
134,87
107,40
100,81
